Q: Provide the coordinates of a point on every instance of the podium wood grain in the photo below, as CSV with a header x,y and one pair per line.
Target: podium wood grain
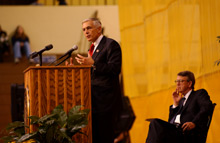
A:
x,y
48,86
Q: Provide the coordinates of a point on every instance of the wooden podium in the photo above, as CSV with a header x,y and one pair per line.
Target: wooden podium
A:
x,y
48,86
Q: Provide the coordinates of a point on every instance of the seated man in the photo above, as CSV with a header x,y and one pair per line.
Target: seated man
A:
x,y
188,115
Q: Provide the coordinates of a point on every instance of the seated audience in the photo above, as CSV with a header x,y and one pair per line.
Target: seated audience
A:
x,y
36,2
20,42
62,2
4,44
188,116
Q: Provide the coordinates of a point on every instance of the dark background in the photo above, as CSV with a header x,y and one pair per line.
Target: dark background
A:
x,y
16,2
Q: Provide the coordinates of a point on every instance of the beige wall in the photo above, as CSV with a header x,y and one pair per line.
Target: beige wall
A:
x,y
58,25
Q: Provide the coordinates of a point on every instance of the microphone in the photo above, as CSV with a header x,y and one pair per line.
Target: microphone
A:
x,y
69,52
47,48
33,55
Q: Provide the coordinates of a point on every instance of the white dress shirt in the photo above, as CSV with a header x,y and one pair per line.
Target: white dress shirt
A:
x,y
177,120
96,43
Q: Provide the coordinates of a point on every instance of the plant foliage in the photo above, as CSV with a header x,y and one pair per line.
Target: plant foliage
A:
x,y
57,127
218,38
218,61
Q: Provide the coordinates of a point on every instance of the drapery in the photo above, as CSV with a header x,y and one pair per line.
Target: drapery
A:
x,y
160,38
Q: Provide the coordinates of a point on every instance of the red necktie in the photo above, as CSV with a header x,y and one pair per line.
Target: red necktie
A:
x,y
91,49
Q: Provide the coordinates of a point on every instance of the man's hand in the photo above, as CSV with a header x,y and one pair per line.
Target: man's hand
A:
x,y
69,64
84,60
188,126
176,97
119,138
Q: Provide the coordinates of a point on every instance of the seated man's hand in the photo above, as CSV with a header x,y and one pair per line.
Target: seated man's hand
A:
x,y
120,137
176,97
188,126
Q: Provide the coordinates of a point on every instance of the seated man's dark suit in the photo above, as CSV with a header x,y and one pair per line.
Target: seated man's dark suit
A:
x,y
196,110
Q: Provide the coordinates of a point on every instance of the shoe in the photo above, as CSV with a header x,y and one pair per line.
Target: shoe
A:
x,y
17,60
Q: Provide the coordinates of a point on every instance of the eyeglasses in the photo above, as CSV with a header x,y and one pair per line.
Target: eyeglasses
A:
x,y
180,81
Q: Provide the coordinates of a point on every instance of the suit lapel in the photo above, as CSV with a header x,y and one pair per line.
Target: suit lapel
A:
x,y
99,48
188,101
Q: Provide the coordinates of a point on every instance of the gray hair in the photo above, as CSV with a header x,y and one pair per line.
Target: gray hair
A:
x,y
95,21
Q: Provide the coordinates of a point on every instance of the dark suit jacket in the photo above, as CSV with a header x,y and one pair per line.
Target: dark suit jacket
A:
x,y
196,110
105,88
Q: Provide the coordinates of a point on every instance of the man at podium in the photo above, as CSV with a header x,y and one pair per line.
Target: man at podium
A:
x,y
104,56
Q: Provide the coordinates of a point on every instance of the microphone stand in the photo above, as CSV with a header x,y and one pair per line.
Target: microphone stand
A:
x,y
40,58
33,55
69,55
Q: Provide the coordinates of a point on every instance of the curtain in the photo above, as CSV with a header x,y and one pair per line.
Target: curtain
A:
x,y
160,38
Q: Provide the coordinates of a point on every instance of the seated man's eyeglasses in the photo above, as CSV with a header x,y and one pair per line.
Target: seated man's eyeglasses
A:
x,y
180,81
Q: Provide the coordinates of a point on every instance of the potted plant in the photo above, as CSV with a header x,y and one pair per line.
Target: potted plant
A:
x,y
57,127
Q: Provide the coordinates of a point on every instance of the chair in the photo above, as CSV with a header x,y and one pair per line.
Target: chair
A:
x,y
210,118
201,138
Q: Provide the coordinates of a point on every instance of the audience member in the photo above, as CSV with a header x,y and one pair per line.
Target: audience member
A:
x,y
20,42
62,2
37,3
4,44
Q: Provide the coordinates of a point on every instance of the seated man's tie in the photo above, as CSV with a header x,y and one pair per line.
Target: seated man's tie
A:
x,y
179,111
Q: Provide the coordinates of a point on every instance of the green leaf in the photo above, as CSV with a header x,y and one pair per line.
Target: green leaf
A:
x,y
50,134
14,131
14,125
77,127
62,133
27,137
42,131
19,131
47,117
86,111
74,110
61,113
34,119
50,122
83,133
7,139
57,127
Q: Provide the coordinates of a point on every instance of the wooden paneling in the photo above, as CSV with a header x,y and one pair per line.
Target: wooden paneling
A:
x,y
47,87
10,73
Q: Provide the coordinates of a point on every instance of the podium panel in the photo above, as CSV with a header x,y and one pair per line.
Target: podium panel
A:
x,y
48,86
